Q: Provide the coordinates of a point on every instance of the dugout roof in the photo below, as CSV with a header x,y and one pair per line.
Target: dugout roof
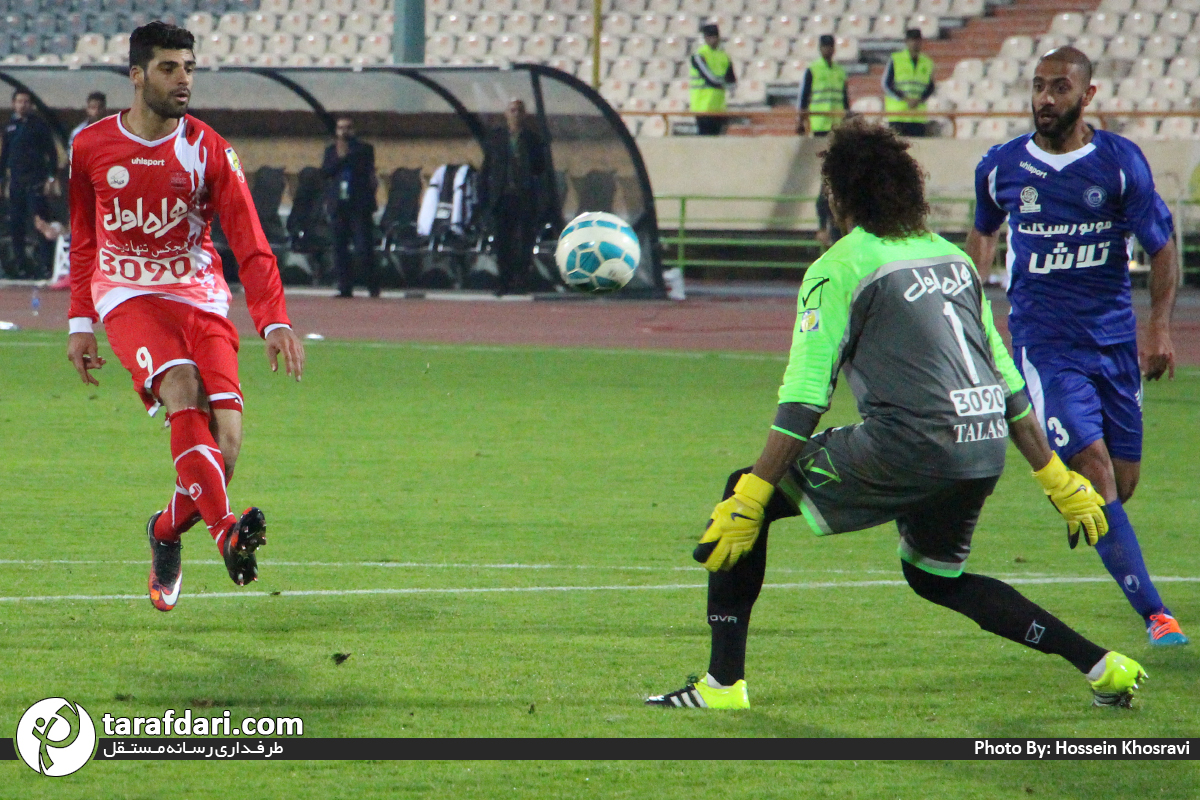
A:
x,y
598,164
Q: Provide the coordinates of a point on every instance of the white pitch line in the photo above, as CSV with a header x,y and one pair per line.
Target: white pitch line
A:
x,y
533,589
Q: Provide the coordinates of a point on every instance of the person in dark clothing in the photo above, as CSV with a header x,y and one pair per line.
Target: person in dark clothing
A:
x,y
349,167
514,166
28,162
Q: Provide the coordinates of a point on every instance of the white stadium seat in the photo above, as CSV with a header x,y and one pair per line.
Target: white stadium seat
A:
x,y
275,7
473,46
653,126
650,24
1159,46
232,24
929,26
1067,24
506,46
580,24
1103,23
830,7
538,47
457,24
845,49
954,89
967,8
486,24
308,7
1051,41
934,8
200,23
888,26
675,104
385,23
215,44
989,89
1149,68
247,45
618,24
92,45
964,128
854,25
671,47
761,70
819,25
551,24
751,25
376,45
284,44
1125,48
1189,46
1017,47
614,90
638,46
1133,88
519,23
440,45
1092,46
808,49
610,47
993,128
660,69
648,89
330,60
1171,89
361,24
266,24
868,105
1141,128
344,7
1175,23
1184,68
684,26
1004,69
740,48
327,23
1153,6
764,8
380,6
902,8
572,46
626,68
1104,89
1178,128
750,93
567,65
343,44
969,69
1139,24
312,44
785,25
792,70
774,47
867,8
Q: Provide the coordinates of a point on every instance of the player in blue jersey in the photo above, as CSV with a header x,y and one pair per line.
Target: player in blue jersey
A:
x,y
1074,197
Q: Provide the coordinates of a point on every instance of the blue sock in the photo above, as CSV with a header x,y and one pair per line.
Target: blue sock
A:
x,y
1122,557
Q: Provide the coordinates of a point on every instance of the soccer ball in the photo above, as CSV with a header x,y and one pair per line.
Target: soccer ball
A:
x,y
597,252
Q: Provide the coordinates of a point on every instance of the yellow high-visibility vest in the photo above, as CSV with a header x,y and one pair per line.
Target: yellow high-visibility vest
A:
x,y
704,96
828,90
912,81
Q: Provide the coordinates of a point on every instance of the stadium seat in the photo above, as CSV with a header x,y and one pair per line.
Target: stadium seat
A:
x,y
969,69
650,24
1189,46
519,23
1175,23
567,65
535,6
808,49
363,24
386,23
1050,42
1178,128
537,47
1116,6
264,24
306,7
343,44
200,23
215,44
456,24
626,68
785,25
832,8
847,50
763,8
618,24
1006,70
819,25
774,47
1148,68
659,69
284,44
929,26
1103,24
326,22
953,89
614,90
1017,47
572,46
1067,24
868,105
682,26
854,26
330,60
934,8
1133,88
750,93
672,104
232,24
740,48
1172,90
653,126
1092,46
888,26
993,128
761,70
1141,128
1123,47
671,47
92,45
473,46
1159,46
440,45
551,24
902,8
610,47
964,127
664,7
579,24
276,7
638,46
1184,68
989,89
792,70
1138,23
1104,89
485,24
967,8
247,46
865,8
76,60
680,88
650,90
697,8
312,44
750,25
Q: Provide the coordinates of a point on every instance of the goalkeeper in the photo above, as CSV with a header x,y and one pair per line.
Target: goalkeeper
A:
x,y
899,310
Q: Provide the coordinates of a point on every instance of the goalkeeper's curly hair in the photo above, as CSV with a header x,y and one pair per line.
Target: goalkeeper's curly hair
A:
x,y
873,178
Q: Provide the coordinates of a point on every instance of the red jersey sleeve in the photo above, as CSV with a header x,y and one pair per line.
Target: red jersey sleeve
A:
x,y
81,196
257,268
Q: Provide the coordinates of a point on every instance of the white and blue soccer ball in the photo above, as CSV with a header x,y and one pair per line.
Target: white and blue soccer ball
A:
x,y
597,252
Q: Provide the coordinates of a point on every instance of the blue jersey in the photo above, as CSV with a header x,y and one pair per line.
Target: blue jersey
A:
x,y
1070,219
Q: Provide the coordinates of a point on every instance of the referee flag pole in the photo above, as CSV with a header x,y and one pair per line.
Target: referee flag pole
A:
x,y
596,6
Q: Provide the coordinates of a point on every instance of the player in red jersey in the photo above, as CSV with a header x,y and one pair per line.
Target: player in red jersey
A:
x,y
145,185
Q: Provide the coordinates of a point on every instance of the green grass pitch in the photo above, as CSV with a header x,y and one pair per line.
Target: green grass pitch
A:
x,y
455,468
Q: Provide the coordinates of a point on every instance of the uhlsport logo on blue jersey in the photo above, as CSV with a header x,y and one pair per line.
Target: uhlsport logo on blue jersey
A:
x,y
55,737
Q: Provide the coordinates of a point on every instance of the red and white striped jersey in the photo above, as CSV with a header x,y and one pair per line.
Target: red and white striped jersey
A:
x,y
140,218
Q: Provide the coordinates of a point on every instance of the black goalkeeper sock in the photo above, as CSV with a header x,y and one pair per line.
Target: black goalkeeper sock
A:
x,y
1000,609
727,661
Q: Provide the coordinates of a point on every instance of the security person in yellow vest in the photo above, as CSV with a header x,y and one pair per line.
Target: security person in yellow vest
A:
x,y
823,88
712,74
907,84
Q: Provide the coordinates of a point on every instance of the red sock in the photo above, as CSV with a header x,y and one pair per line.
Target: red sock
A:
x,y
201,469
179,515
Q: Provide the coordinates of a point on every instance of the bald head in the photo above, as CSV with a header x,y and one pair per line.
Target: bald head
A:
x,y
1070,56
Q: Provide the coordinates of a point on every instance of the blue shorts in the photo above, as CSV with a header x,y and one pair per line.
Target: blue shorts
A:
x,y
1083,395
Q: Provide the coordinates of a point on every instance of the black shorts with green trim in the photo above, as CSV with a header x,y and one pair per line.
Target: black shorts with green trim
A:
x,y
840,485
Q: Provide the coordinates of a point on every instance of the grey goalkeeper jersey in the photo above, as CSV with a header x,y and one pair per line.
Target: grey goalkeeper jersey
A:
x,y
906,321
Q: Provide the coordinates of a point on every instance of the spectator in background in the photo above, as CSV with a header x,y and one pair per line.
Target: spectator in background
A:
x,y
907,85
823,89
95,110
28,161
514,168
712,74
349,168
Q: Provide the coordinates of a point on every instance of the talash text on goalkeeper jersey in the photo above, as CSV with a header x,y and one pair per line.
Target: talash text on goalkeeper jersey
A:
x,y
141,213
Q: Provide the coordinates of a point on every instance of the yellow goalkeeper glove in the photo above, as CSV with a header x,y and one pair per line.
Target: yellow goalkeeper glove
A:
x,y
734,525
1073,496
